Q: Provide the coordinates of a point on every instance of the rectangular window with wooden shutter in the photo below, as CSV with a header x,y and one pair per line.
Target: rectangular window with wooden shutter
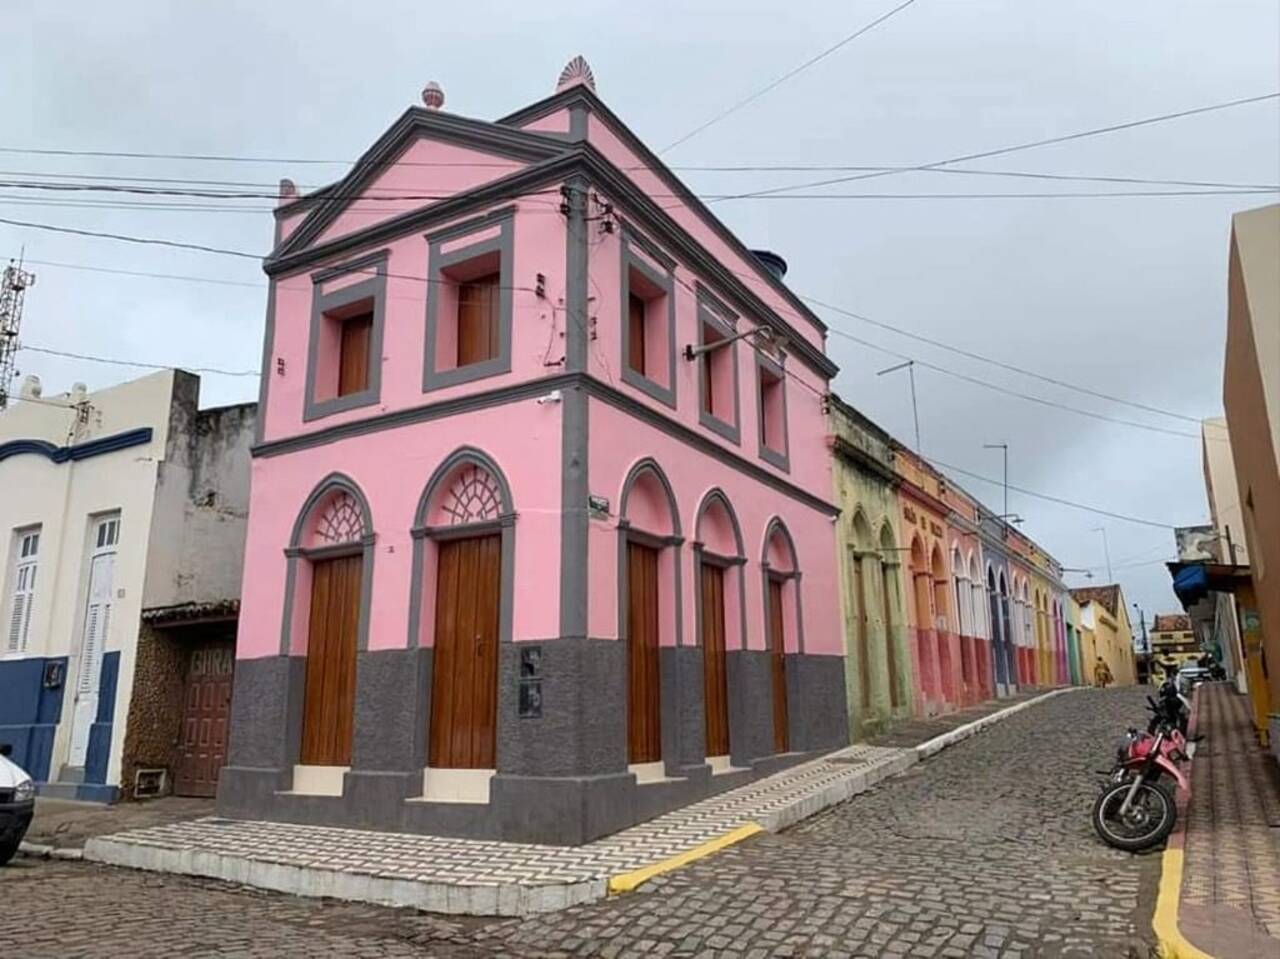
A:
x,y
636,316
26,550
353,353
478,319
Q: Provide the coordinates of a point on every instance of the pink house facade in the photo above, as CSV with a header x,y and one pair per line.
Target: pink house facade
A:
x,y
541,538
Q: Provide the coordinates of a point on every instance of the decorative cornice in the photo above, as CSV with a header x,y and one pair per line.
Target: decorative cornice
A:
x,y
540,387
856,454
77,451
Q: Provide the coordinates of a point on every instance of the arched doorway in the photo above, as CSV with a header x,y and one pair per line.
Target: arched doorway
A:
x,y
781,574
331,564
464,547
892,617
648,611
718,559
942,625
922,609
860,558
1000,664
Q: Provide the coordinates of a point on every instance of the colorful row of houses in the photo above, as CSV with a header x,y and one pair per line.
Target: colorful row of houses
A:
x,y
554,523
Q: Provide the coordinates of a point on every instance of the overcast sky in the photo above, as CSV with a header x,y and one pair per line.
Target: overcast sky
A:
x,y
1121,295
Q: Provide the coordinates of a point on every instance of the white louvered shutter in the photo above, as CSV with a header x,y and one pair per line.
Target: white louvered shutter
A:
x,y
20,608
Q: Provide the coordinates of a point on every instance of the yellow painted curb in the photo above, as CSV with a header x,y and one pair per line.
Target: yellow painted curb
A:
x,y
1173,944
630,881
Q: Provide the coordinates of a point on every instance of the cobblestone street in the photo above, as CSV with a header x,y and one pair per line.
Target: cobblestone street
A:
x,y
985,850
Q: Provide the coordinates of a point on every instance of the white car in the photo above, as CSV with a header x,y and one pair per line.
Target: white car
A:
x,y
17,804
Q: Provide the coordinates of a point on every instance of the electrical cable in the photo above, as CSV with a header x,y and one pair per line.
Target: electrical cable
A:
x,y
150,366
773,85
1032,144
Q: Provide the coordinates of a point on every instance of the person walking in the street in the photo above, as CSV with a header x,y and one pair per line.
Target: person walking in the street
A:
x,y
1101,674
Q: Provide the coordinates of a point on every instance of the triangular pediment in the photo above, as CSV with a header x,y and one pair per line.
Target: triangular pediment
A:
x,y
423,157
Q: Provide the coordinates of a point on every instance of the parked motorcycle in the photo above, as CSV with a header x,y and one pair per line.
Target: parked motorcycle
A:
x,y
1137,809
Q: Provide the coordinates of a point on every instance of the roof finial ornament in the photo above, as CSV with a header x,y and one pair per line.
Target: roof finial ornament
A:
x,y
288,190
576,71
432,95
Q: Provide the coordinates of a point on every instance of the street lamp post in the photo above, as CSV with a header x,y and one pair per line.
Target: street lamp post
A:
x,y
910,367
1004,449
1106,551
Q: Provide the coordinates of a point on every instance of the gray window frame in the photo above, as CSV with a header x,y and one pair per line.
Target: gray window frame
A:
x,y
375,289
666,281
437,262
712,311
779,458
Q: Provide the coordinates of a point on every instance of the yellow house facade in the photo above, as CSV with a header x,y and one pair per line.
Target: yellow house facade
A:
x,y
1106,632
1173,639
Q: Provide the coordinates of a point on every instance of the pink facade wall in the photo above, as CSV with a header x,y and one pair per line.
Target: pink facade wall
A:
x,y
392,468
618,441
424,171
539,241
810,466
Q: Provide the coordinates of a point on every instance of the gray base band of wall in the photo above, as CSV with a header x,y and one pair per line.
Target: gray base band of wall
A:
x,y
818,705
562,774
750,674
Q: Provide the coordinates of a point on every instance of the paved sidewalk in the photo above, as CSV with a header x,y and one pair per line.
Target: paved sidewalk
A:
x,y
66,823
1230,903
473,877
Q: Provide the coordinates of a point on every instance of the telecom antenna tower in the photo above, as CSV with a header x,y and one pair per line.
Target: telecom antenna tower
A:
x,y
13,286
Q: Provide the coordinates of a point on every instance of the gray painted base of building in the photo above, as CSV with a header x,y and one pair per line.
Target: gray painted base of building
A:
x,y
561,777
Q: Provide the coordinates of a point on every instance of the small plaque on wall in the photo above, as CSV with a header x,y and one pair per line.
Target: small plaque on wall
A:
x,y
529,704
530,699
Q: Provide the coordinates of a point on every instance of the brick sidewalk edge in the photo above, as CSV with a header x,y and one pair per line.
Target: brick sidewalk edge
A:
x,y
513,899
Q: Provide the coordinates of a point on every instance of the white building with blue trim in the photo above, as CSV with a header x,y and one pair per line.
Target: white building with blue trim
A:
x,y
102,496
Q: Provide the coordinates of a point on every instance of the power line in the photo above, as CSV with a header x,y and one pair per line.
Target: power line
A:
x,y
124,238
835,330
1010,392
1053,499
709,198
150,366
1001,151
787,76
999,363
740,168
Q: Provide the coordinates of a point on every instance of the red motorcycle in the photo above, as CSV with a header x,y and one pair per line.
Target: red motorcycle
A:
x,y
1137,808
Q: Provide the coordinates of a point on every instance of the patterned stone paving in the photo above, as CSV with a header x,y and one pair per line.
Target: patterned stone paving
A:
x,y
480,877
1232,869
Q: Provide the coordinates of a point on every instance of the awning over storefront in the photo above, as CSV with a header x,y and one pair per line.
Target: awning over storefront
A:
x,y
1193,581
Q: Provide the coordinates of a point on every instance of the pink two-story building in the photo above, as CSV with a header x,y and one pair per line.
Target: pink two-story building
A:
x,y
540,541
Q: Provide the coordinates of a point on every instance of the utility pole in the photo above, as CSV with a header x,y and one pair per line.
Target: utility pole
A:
x,y
13,287
1106,551
1004,448
910,367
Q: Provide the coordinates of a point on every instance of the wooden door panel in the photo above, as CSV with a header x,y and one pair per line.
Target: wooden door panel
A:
x,y
715,673
355,341
777,649
464,699
860,625
644,722
329,700
202,745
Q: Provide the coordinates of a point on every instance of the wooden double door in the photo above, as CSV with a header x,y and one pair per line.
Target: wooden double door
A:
x,y
715,674
778,668
329,701
464,687
644,676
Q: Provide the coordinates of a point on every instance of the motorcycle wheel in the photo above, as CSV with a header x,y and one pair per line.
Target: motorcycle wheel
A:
x,y
1148,821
